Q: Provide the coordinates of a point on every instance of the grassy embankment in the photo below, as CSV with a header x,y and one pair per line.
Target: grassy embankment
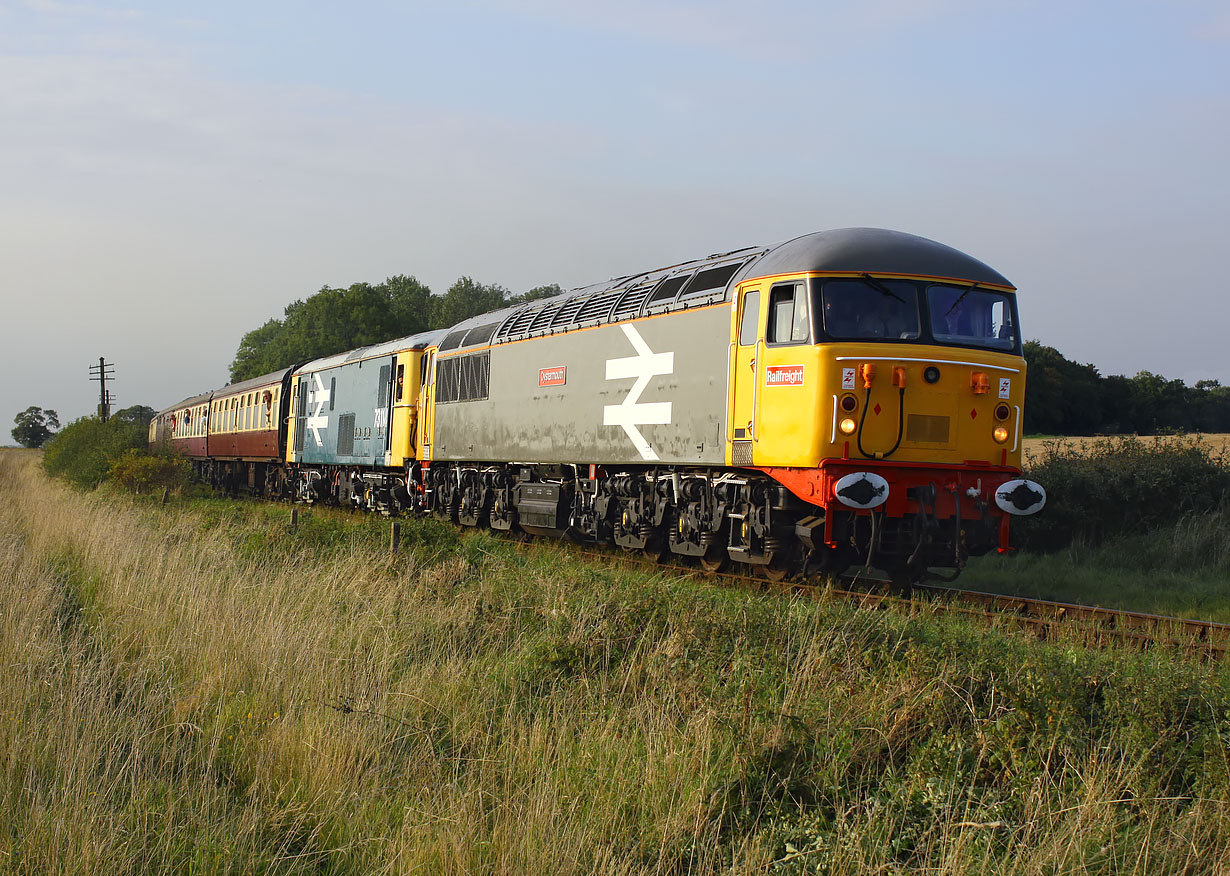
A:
x,y
193,689
1135,523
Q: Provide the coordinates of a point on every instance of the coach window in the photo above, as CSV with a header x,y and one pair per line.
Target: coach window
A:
x,y
788,319
401,380
749,318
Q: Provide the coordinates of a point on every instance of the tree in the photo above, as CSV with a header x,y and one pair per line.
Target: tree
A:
x,y
258,351
35,426
84,450
334,320
137,415
410,302
548,291
465,299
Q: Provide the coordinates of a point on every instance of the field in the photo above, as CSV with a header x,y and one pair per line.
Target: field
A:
x,y
1135,523
197,689
1220,442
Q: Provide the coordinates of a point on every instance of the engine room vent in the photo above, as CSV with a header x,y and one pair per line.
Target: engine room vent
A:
x,y
480,334
711,279
453,340
630,304
599,306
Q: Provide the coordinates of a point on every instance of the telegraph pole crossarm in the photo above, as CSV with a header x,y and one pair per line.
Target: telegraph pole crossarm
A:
x,y
101,372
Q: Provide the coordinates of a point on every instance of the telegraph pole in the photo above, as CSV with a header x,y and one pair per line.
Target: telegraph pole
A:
x,y
101,372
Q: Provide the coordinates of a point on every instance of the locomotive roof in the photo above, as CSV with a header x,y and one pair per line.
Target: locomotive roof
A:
x,y
273,378
420,341
711,279
190,402
871,251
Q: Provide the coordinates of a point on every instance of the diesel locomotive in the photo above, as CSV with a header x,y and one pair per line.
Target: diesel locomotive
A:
x,y
846,398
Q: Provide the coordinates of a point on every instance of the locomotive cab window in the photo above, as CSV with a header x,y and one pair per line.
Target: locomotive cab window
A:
x,y
789,322
748,319
865,308
971,317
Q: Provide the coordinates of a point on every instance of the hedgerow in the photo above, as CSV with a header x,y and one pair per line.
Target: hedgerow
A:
x,y
1114,487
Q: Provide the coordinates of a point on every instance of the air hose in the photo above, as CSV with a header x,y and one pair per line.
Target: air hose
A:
x,y
900,424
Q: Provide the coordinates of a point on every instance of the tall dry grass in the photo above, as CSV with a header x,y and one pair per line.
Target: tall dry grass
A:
x,y
193,689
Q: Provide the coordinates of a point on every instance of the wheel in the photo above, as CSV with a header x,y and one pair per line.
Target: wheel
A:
x,y
715,560
654,551
775,571
901,582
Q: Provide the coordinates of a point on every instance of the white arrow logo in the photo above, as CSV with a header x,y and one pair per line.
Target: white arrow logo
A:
x,y
632,413
318,396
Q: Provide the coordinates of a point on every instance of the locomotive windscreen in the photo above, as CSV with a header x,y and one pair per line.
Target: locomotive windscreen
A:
x,y
917,312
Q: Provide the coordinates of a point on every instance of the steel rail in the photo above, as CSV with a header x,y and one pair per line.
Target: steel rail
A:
x,y
1041,617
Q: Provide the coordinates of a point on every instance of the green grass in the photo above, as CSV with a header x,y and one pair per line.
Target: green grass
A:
x,y
1182,571
194,689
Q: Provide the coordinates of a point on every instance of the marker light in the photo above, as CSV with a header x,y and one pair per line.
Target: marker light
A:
x,y
1000,434
1002,412
847,426
849,403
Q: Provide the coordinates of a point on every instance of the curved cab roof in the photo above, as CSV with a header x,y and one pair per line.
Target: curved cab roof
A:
x,y
710,280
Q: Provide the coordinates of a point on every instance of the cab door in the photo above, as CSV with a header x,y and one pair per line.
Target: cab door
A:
x,y
426,407
405,409
745,345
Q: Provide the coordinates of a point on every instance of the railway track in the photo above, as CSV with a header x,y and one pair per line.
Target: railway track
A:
x,y
1045,619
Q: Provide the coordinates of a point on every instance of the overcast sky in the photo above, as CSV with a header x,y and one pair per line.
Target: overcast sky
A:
x,y
174,174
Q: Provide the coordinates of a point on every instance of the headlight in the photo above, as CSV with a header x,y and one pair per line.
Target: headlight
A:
x,y
1000,434
847,426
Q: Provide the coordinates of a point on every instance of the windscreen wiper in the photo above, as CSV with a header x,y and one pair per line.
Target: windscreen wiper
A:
x,y
881,288
960,298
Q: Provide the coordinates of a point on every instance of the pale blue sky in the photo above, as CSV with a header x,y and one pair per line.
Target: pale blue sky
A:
x,y
171,175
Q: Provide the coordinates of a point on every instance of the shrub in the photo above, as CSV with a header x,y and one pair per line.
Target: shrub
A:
x,y
84,450
141,472
1114,487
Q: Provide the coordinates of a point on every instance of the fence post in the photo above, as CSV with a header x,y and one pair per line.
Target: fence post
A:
x,y
166,494
294,519
395,537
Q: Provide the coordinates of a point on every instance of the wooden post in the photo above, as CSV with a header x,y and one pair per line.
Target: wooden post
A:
x,y
166,494
395,537
294,519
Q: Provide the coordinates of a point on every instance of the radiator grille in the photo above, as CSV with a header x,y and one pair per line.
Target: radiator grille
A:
x,y
345,435
463,378
924,429
741,453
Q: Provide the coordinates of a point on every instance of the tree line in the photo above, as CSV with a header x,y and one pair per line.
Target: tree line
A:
x,y
336,320
1063,397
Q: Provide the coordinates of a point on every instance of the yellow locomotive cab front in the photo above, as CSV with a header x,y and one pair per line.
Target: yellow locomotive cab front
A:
x,y
883,396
